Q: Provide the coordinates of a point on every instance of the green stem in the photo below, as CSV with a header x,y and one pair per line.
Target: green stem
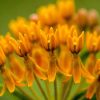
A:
x,y
25,93
55,89
48,89
68,90
34,93
40,87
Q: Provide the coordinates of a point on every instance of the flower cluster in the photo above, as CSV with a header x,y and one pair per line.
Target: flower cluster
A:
x,y
49,43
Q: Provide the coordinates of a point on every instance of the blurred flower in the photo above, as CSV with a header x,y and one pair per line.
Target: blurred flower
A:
x,y
48,15
94,45
93,17
66,8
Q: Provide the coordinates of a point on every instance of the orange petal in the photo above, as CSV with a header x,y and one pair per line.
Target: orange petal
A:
x,y
2,91
36,65
91,90
17,69
76,70
29,76
64,62
52,72
38,73
87,75
41,58
8,79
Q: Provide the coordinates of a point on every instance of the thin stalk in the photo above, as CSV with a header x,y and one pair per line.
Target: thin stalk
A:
x,y
48,89
55,89
41,89
25,93
68,90
34,93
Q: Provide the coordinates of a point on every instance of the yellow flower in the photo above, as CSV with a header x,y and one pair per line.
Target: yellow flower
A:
x,y
48,40
93,46
48,15
21,46
62,32
18,26
75,42
5,45
66,8
94,88
81,18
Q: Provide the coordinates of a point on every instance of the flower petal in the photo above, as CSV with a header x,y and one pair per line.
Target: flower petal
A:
x,y
17,69
91,90
38,73
76,70
64,62
52,72
8,79
29,76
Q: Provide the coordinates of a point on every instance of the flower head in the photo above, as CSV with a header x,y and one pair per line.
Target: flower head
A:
x,y
75,42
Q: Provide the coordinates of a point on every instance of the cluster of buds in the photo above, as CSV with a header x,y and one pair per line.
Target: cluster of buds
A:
x,y
48,43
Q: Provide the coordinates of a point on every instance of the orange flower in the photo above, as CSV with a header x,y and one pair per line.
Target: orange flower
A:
x,y
18,26
66,8
75,44
21,46
93,46
62,32
5,45
48,15
49,40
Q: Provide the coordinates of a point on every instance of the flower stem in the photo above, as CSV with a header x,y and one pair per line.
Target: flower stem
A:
x,y
25,93
40,87
48,89
68,90
34,93
55,89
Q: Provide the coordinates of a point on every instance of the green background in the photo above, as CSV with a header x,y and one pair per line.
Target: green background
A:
x,y
11,9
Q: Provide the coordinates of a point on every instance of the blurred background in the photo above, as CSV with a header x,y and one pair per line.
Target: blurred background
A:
x,y
11,9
